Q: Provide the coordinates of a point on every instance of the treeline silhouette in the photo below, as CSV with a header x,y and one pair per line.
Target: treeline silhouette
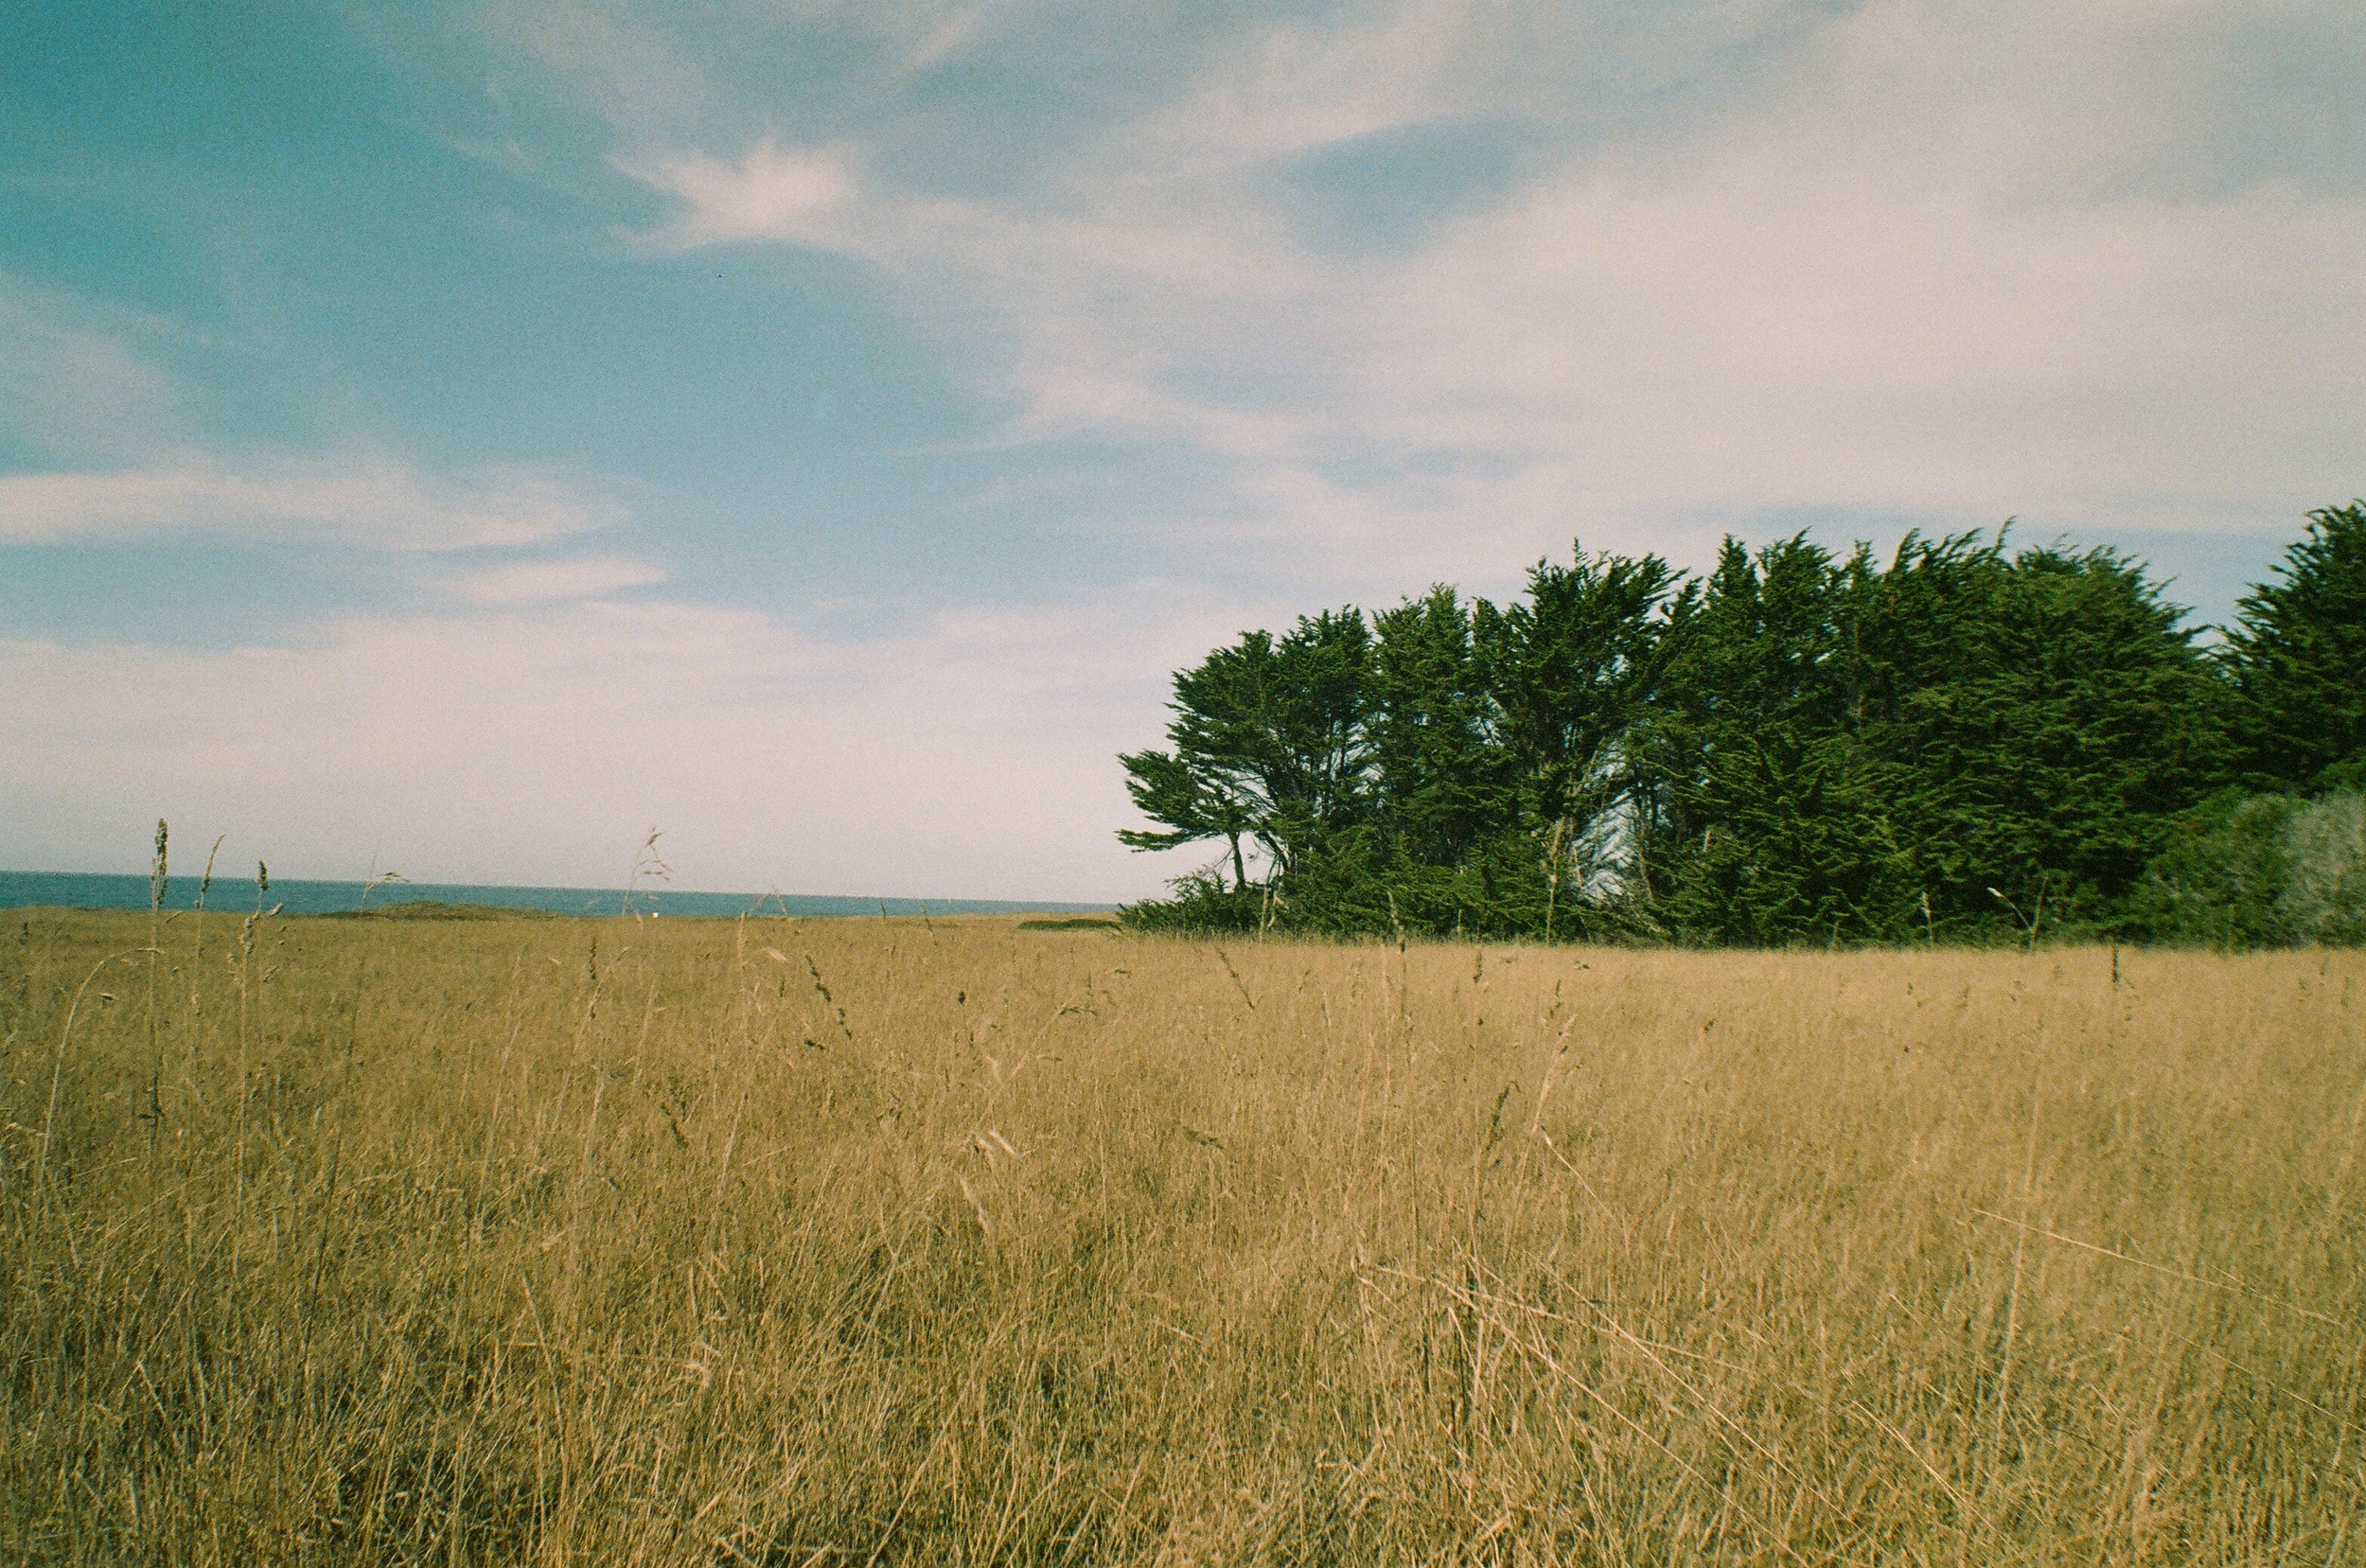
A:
x,y
1962,741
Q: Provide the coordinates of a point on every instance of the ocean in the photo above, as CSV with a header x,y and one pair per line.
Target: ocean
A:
x,y
82,891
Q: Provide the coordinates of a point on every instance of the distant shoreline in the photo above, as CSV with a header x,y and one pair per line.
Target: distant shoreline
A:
x,y
98,890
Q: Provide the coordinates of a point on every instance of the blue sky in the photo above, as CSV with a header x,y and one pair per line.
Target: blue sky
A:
x,y
458,437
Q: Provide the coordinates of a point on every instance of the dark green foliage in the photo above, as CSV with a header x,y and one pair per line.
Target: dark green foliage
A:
x,y
2271,867
1572,671
2260,871
1201,905
1442,783
1446,805
1961,742
2077,720
2219,881
2297,656
1760,822
1269,745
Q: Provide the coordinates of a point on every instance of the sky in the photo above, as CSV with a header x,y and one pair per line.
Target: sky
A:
x,y
459,438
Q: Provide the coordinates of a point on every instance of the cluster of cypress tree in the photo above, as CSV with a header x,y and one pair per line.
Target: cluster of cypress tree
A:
x,y
1962,741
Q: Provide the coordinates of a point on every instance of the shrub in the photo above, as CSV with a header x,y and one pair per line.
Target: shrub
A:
x,y
2260,871
2323,847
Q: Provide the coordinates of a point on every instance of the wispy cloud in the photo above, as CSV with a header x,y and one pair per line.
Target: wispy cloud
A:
x,y
769,192
541,582
1884,259
373,502
116,449
74,379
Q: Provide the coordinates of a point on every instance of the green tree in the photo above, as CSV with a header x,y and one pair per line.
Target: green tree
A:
x,y
1572,668
2070,720
1194,799
1800,747
1439,779
1267,745
1760,821
2298,658
1955,740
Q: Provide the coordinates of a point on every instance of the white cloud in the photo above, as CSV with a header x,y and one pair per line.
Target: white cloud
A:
x,y
1902,259
114,454
73,378
370,501
769,193
652,70
543,581
944,40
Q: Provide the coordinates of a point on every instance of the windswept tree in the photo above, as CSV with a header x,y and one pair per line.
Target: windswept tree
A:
x,y
1758,821
1196,800
1267,745
1439,783
2298,658
2071,719
1571,669
1959,739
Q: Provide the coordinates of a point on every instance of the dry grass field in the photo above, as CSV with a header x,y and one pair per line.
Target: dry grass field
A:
x,y
876,1242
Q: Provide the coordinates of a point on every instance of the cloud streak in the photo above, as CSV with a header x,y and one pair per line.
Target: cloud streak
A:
x,y
116,454
544,581
375,503
770,192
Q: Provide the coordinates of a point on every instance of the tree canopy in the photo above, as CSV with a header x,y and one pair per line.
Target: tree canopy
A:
x,y
2296,660
1962,741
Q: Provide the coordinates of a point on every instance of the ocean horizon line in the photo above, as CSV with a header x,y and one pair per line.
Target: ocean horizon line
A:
x,y
315,896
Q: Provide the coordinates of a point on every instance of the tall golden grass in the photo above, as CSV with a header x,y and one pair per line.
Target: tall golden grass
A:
x,y
788,1243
